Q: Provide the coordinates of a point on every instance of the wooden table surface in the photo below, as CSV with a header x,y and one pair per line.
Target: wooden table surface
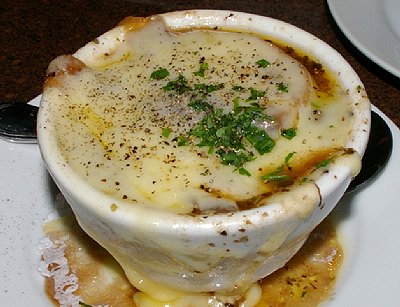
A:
x,y
33,32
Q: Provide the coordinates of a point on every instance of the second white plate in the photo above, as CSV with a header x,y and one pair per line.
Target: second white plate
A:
x,y
373,26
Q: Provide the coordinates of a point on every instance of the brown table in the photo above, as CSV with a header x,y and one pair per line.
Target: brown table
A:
x,y
33,32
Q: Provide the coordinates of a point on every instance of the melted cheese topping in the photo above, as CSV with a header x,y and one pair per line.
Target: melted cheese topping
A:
x,y
111,117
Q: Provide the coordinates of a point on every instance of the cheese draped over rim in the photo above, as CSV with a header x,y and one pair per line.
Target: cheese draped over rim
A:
x,y
128,124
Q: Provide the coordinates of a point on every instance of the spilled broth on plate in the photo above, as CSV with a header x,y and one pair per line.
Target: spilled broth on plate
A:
x,y
81,270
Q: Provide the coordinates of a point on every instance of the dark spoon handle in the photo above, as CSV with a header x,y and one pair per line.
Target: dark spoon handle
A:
x,y
18,122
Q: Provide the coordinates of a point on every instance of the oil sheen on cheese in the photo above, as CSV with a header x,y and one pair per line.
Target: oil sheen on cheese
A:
x,y
129,136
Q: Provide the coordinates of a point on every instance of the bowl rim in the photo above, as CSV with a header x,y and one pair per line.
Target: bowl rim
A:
x,y
73,184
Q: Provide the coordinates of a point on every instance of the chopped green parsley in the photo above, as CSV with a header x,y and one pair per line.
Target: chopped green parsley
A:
x,y
315,105
289,133
255,94
202,69
282,87
233,136
159,74
236,104
243,171
179,85
288,157
225,133
238,88
200,105
263,63
303,180
208,88
278,175
166,132
182,140
323,163
282,173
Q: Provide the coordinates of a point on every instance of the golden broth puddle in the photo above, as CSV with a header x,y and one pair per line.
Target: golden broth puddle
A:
x,y
82,273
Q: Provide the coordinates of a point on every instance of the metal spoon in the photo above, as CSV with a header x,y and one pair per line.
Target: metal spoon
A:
x,y
18,124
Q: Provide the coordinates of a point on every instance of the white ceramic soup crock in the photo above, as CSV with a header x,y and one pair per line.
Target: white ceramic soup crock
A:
x,y
219,252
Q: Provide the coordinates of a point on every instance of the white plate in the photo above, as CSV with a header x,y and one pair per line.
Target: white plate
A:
x,y
368,222
373,26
